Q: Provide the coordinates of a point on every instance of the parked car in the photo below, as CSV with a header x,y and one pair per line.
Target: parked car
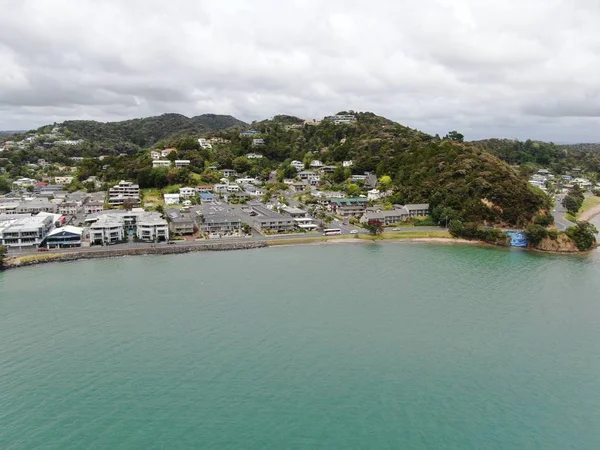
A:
x,y
170,242
354,232
42,249
395,229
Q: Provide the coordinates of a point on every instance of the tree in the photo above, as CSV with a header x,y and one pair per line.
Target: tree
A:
x,y
374,227
128,204
454,136
584,235
571,204
536,234
339,175
4,185
352,190
456,228
241,164
385,181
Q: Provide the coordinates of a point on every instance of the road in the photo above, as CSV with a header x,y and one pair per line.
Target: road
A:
x,y
254,238
559,212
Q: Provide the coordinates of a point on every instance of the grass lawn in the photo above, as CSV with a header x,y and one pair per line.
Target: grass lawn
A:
x,y
588,202
408,235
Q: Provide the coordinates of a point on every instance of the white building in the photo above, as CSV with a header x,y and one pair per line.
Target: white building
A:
x,y
298,165
23,182
124,191
374,194
187,192
256,142
316,163
164,153
172,199
182,162
161,163
114,226
348,163
63,180
25,231
342,119
155,155
254,155
248,181
204,143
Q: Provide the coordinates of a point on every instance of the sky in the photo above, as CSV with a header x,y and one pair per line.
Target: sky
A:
x,y
504,68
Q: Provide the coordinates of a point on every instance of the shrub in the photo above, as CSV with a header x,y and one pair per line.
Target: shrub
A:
x,y
584,235
543,220
536,234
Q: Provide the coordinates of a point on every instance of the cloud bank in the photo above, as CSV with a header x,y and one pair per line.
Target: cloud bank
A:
x,y
504,69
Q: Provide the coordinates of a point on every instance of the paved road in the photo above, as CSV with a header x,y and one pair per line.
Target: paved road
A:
x,y
559,215
254,238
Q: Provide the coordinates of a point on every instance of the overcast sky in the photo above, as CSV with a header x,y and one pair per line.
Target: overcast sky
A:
x,y
503,68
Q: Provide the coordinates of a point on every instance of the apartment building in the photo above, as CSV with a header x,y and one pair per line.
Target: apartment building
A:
x,y
18,231
349,206
123,191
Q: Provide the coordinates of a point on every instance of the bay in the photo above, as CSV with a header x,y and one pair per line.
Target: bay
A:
x,y
333,346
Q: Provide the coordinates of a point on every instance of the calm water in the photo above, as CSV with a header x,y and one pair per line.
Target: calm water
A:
x,y
348,346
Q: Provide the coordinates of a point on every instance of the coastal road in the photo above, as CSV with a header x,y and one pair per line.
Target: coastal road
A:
x,y
559,215
254,238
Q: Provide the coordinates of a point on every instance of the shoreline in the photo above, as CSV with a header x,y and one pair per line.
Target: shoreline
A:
x,y
16,262
590,213
37,259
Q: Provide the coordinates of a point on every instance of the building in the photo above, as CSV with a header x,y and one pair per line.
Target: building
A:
x,y
298,165
249,133
294,212
122,192
204,189
342,119
298,186
397,215
152,228
266,220
204,143
257,142
9,206
64,237
349,206
93,206
206,197
161,163
358,178
113,227
187,192
314,180
348,163
180,224
182,162
107,230
229,173
316,163
328,169
48,189
312,122
36,205
68,208
374,194
167,151
63,180
306,174
254,155
23,182
172,199
248,181
18,231
155,155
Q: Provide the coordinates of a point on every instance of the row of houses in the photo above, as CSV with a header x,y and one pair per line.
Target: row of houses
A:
x,y
113,227
399,214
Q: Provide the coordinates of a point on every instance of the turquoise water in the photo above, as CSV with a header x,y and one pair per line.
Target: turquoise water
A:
x,y
338,346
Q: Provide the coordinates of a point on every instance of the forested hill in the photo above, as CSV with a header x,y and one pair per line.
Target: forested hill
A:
x,y
147,131
537,154
470,182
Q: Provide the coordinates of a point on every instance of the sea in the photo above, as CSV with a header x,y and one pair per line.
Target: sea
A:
x,y
336,346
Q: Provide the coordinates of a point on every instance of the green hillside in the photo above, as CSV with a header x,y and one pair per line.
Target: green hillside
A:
x,y
147,131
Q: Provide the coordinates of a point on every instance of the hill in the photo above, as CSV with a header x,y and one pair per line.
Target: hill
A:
x,y
471,183
538,154
147,131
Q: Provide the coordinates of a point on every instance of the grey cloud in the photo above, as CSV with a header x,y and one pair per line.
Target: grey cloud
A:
x,y
487,68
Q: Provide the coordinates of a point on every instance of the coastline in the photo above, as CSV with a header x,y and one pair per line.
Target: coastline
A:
x,y
16,262
590,213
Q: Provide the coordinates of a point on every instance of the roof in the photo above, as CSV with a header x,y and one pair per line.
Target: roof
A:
x,y
349,201
417,206
66,229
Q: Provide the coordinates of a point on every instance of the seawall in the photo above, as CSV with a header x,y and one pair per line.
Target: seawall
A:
x,y
31,260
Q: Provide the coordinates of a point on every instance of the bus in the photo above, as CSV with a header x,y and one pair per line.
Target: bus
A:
x,y
331,231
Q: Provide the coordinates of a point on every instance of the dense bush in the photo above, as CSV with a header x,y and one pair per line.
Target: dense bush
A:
x,y
584,235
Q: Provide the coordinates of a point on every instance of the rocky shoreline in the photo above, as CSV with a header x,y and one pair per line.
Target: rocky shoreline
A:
x,y
32,260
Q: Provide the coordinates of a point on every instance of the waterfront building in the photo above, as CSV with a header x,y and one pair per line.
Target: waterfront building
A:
x,y
124,191
18,231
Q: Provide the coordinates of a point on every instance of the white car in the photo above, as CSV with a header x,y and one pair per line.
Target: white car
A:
x,y
354,232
